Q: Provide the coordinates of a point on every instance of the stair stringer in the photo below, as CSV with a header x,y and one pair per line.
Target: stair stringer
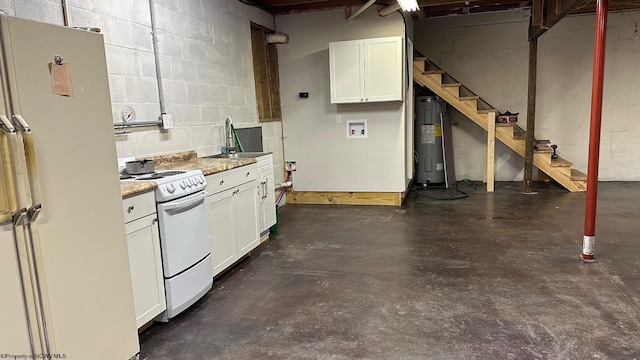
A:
x,y
503,134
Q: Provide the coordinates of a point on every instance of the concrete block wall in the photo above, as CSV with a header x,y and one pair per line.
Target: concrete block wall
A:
x,y
492,59
206,64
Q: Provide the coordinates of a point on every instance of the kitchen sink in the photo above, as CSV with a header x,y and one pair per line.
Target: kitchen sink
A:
x,y
240,155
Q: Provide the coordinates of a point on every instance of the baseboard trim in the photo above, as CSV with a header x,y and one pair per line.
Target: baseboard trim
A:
x,y
345,198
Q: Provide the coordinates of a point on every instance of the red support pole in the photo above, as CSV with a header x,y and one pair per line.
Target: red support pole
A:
x,y
589,239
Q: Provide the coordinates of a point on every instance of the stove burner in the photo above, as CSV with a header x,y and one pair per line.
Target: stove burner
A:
x,y
159,175
125,177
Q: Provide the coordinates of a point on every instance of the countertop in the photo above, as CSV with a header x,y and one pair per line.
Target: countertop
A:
x,y
130,188
185,160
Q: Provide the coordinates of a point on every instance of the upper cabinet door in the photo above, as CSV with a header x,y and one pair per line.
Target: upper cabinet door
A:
x,y
346,69
366,70
383,69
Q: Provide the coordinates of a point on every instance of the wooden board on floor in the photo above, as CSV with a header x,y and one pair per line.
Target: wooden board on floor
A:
x,y
345,198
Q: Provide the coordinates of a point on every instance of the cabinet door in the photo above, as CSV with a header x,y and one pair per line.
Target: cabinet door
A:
x,y
145,261
346,71
268,200
246,213
222,229
383,69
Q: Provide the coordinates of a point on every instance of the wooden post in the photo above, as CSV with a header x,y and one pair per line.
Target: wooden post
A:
x,y
491,146
531,115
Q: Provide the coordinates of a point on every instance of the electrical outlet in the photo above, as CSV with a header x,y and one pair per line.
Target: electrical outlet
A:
x,y
290,166
338,119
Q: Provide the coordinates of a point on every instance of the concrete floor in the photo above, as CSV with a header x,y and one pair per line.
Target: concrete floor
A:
x,y
493,276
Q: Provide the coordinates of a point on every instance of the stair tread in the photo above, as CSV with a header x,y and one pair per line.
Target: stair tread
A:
x,y
486,111
431,72
451,85
560,162
542,148
420,58
577,175
474,97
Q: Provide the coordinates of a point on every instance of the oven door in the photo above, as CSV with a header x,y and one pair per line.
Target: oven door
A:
x,y
184,233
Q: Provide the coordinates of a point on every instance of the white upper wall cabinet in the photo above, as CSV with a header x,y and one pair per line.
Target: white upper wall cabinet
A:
x,y
366,70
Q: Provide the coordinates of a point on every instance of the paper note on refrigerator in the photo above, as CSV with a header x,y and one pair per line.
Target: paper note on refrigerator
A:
x,y
61,79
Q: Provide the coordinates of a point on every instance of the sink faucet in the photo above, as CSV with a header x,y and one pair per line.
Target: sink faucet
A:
x,y
230,143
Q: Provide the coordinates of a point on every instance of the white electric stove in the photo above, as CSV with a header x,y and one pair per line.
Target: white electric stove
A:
x,y
184,237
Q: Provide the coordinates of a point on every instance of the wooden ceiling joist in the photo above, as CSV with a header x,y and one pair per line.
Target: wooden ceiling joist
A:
x,y
546,13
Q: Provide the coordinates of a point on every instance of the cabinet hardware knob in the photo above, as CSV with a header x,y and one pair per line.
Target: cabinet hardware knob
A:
x,y
130,209
248,173
221,182
154,221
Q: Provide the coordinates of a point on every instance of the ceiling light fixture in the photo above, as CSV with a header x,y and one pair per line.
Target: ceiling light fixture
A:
x,y
409,5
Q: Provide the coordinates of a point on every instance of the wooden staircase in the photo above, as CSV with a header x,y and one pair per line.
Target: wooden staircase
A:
x,y
429,75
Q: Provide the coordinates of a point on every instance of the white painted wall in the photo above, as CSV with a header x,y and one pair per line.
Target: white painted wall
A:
x,y
492,60
206,63
326,159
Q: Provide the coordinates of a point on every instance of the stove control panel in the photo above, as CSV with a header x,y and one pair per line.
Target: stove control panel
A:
x,y
178,186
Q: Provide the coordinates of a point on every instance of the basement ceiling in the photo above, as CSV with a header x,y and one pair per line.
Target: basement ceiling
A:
x,y
429,8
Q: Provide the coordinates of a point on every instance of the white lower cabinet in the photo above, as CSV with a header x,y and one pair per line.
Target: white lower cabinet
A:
x,y
267,201
145,261
246,211
233,215
267,204
222,230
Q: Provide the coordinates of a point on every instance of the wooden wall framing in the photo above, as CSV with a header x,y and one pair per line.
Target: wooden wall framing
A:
x,y
267,79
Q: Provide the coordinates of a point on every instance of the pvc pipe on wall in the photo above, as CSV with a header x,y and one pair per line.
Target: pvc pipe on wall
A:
x,y
285,184
277,38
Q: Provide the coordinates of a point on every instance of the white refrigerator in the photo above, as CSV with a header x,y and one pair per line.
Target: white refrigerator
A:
x,y
65,287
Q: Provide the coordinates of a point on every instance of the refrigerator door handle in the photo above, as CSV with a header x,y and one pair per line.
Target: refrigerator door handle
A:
x,y
6,125
32,168
33,212
19,217
22,124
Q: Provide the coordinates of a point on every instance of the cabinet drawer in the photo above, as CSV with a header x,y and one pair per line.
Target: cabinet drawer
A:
x,y
138,206
231,178
265,162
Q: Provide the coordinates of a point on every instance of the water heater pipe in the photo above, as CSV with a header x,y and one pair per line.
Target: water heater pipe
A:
x,y
589,239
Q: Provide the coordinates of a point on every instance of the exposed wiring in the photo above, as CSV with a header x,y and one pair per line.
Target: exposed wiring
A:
x,y
424,192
